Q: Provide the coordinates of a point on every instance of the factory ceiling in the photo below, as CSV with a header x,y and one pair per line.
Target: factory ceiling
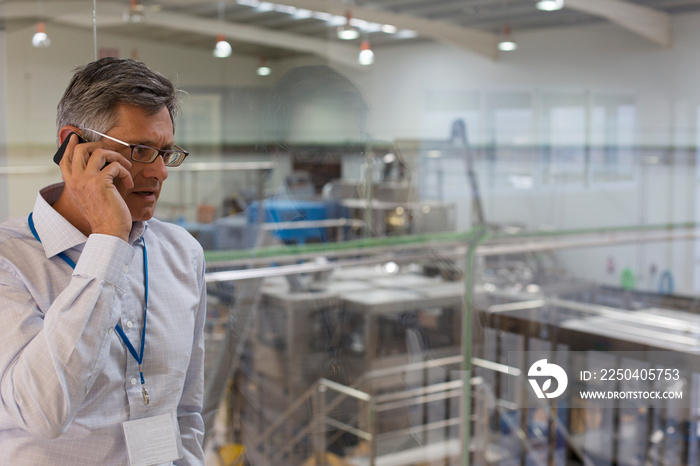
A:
x,y
286,28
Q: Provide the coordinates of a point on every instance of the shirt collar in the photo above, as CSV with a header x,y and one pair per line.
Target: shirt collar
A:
x,y
58,234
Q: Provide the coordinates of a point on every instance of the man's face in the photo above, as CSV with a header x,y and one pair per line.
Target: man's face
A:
x,y
135,126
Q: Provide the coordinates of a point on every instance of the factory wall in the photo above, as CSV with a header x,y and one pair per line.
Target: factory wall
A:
x,y
599,57
595,58
594,66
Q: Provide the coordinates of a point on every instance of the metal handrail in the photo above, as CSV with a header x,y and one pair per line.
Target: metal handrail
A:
x,y
348,428
414,366
287,413
345,391
386,402
494,244
415,392
321,385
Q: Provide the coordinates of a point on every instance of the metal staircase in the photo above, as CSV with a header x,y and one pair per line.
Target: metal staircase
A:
x,y
436,442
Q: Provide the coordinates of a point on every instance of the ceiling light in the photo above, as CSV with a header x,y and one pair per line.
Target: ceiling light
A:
x,y
391,267
373,27
265,6
322,15
302,13
290,10
366,56
40,38
389,29
550,5
359,23
507,43
222,49
263,69
346,31
337,20
134,14
406,34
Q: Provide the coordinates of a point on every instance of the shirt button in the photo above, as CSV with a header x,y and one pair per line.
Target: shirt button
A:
x,y
129,324
133,381
126,269
109,331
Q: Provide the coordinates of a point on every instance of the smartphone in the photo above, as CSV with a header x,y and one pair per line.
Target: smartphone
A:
x,y
59,153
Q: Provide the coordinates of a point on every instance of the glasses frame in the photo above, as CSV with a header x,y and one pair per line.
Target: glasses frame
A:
x,y
161,152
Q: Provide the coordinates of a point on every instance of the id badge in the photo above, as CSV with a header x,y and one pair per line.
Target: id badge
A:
x,y
153,440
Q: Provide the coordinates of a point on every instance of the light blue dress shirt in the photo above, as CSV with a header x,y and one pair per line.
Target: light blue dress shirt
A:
x,y
67,382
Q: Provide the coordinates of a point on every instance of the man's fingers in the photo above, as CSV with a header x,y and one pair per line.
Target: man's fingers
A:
x,y
66,160
78,154
89,157
100,158
117,170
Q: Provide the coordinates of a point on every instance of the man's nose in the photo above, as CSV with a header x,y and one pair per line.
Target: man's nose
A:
x,y
156,169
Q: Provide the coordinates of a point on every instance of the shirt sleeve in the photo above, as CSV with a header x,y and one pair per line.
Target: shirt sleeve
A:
x,y
189,411
51,356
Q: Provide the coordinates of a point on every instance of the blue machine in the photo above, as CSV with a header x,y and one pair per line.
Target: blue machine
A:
x,y
286,210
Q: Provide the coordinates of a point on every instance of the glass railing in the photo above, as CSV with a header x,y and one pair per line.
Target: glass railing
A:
x,y
395,333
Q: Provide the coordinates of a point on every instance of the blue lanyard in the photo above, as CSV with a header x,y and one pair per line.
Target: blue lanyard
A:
x,y
138,356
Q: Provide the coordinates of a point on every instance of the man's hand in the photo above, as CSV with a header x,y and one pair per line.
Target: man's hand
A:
x,y
89,172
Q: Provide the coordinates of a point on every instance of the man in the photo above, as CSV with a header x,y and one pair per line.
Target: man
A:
x,y
103,306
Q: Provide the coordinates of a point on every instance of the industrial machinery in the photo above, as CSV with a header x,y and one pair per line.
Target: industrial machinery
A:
x,y
360,357
360,322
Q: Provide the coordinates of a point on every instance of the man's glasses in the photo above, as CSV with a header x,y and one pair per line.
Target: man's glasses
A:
x,y
147,154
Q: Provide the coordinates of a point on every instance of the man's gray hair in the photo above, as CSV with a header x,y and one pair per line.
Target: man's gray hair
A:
x,y
98,88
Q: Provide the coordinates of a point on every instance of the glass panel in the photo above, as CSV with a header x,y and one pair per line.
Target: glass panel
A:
x,y
564,132
393,250
613,122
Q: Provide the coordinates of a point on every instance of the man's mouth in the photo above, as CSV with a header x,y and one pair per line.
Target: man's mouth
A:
x,y
145,193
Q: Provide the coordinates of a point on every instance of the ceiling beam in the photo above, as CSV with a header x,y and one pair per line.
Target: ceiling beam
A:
x,y
109,14
329,50
31,10
481,42
647,22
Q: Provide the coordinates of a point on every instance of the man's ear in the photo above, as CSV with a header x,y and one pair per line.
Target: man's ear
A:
x,y
65,131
